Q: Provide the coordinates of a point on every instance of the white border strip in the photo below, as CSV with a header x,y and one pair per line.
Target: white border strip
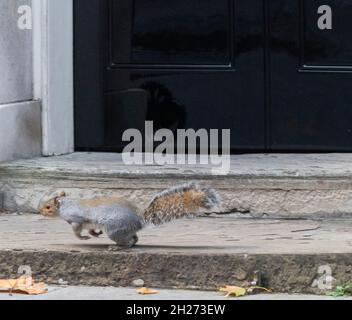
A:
x,y
53,72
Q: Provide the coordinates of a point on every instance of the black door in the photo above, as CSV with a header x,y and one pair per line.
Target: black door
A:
x,y
311,75
264,69
181,64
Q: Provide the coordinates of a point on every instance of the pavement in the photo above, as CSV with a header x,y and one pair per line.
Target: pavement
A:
x,y
204,235
130,294
289,256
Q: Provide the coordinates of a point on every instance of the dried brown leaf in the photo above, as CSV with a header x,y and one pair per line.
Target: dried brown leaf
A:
x,y
233,291
145,290
22,285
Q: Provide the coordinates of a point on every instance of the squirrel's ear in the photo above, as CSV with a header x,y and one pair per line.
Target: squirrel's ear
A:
x,y
56,200
61,195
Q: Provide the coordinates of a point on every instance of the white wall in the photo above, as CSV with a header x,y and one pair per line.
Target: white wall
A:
x,y
16,79
36,80
20,130
20,116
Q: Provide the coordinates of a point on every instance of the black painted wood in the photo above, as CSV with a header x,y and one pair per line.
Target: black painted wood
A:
x,y
186,64
89,62
311,77
260,68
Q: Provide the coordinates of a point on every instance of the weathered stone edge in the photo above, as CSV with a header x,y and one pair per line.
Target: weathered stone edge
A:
x,y
256,196
293,273
8,171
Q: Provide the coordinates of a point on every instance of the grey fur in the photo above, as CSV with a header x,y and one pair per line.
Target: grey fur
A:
x,y
177,189
120,222
213,198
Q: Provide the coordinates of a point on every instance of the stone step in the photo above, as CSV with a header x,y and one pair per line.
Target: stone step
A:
x,y
273,185
289,256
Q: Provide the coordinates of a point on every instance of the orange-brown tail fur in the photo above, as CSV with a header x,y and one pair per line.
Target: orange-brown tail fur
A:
x,y
180,202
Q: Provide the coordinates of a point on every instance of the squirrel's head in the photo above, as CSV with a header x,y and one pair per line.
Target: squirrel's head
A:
x,y
51,207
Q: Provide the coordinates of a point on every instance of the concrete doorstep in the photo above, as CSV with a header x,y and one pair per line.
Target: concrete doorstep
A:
x,y
246,241
289,256
259,186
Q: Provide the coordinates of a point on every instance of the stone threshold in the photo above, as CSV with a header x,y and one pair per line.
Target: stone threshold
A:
x,y
258,185
288,256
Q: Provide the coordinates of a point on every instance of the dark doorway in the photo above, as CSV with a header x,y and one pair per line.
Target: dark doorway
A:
x,y
260,68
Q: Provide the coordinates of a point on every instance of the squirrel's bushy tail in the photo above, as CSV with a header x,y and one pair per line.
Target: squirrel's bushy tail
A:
x,y
180,202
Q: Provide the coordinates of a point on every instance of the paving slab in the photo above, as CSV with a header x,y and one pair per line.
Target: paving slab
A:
x,y
257,185
130,294
203,253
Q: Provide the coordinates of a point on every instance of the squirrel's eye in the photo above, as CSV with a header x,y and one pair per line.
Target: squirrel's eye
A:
x,y
48,207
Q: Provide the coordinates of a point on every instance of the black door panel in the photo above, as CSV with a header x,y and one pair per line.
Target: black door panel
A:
x,y
179,64
159,32
326,47
264,69
311,96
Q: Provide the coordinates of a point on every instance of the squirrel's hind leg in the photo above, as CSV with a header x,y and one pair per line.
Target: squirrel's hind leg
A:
x,y
124,241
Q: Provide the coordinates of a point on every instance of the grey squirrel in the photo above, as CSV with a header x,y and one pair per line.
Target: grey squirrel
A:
x,y
121,220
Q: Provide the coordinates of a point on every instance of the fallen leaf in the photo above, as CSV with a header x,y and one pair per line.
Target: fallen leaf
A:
x,y
234,291
257,289
22,285
36,289
145,290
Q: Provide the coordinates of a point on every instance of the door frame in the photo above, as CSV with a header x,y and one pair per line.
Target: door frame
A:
x,y
53,72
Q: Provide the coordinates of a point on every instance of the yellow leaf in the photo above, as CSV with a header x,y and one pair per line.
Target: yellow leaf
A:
x,y
233,291
7,284
23,285
147,291
36,289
